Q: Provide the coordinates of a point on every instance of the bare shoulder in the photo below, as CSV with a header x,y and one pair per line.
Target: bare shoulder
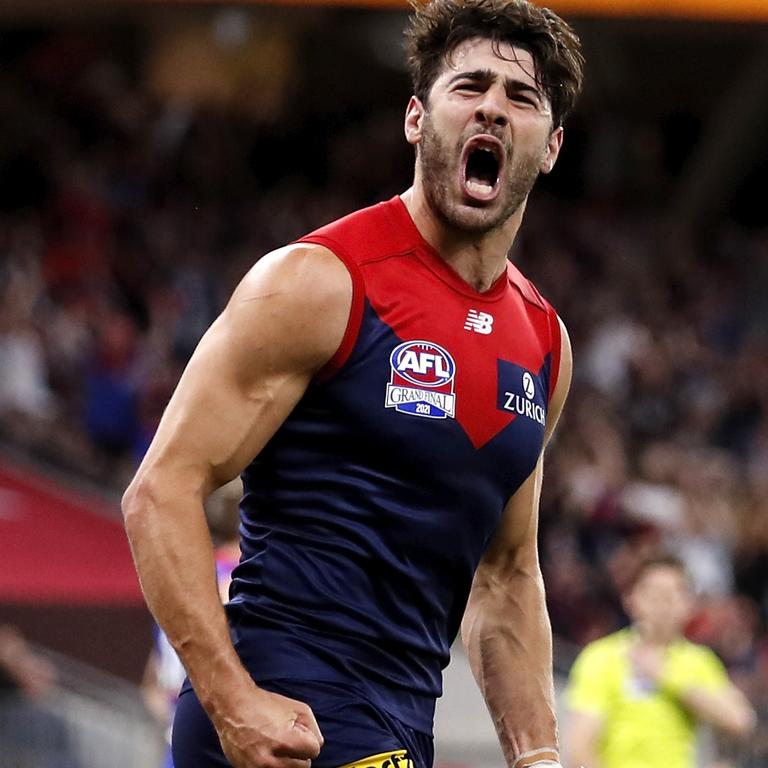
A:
x,y
284,321
297,298
298,268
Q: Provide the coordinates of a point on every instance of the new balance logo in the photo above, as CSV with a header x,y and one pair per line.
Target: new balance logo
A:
x,y
479,322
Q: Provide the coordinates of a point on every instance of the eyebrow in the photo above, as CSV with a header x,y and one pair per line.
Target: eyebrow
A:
x,y
510,84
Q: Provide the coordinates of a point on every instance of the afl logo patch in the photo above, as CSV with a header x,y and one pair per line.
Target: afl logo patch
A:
x,y
421,382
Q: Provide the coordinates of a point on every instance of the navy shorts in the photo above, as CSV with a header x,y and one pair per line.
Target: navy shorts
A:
x,y
355,731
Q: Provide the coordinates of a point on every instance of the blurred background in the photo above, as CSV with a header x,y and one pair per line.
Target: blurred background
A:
x,y
151,152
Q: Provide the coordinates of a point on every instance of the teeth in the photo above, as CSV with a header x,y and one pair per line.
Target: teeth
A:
x,y
478,187
485,149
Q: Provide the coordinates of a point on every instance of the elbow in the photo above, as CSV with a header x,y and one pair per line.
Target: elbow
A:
x,y
129,500
467,627
134,502
481,612
139,499
158,488
736,719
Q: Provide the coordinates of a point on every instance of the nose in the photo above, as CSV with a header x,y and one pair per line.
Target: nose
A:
x,y
492,109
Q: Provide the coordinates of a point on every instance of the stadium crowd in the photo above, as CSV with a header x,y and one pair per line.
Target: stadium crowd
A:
x,y
125,222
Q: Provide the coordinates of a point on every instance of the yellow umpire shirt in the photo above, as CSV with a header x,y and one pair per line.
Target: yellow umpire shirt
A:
x,y
644,726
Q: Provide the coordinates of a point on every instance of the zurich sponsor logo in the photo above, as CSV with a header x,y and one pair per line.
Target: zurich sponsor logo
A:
x,y
521,393
421,383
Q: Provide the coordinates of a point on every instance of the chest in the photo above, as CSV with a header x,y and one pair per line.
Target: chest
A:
x,y
450,389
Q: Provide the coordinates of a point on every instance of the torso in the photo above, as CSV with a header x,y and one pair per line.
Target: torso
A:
x,y
366,515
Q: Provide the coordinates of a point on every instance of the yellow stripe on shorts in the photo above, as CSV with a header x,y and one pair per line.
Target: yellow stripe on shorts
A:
x,y
397,759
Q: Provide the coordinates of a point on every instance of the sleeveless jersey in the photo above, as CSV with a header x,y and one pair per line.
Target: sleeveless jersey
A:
x,y
365,516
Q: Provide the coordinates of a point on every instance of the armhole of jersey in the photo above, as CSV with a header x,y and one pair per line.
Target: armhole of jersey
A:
x,y
355,311
556,340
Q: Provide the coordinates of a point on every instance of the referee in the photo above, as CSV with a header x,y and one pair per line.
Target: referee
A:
x,y
636,696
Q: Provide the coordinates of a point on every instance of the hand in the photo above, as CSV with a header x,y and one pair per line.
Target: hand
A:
x,y
267,730
647,661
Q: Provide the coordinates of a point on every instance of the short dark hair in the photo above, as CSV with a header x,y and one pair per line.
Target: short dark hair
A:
x,y
437,27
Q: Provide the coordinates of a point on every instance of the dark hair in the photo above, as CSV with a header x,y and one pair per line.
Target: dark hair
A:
x,y
437,27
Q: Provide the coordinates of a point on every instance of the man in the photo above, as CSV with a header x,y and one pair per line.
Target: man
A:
x,y
396,381
636,696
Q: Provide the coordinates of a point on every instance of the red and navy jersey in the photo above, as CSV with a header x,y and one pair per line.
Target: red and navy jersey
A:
x,y
365,516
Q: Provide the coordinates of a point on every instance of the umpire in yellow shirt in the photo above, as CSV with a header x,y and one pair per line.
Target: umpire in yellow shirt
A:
x,y
636,696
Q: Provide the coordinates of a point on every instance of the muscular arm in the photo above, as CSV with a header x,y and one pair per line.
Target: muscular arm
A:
x,y
506,627
284,321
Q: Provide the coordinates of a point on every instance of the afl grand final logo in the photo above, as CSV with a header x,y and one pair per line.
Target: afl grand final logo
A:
x,y
421,383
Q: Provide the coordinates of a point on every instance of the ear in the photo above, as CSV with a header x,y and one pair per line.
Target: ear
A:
x,y
414,117
552,150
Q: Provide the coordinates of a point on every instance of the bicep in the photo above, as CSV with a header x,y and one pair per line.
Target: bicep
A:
x,y
284,321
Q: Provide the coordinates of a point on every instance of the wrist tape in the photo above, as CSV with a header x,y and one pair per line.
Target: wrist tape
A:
x,y
546,757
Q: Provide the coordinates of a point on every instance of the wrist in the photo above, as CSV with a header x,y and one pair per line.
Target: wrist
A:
x,y
544,757
545,764
222,685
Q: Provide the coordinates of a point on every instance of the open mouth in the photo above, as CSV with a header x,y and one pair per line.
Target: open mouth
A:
x,y
482,161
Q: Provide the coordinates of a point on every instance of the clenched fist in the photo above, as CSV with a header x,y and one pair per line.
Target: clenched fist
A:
x,y
266,730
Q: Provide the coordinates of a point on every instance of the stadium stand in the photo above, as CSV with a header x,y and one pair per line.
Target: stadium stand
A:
x,y
128,214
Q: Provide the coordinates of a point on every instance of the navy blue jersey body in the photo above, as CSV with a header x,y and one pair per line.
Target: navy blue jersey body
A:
x,y
366,514
357,734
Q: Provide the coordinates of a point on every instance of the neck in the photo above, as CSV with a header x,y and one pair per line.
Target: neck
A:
x,y
478,259
656,635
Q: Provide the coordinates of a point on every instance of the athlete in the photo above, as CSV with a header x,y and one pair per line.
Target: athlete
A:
x,y
636,696
386,387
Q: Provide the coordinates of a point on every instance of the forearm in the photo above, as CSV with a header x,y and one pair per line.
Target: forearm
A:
x,y
728,710
174,559
508,638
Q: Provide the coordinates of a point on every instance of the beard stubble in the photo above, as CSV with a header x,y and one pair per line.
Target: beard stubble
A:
x,y
439,171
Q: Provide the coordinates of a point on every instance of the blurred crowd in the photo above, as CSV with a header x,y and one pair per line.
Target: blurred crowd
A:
x,y
664,441
125,222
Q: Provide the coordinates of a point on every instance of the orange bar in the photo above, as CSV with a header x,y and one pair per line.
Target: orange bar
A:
x,y
735,10
714,10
